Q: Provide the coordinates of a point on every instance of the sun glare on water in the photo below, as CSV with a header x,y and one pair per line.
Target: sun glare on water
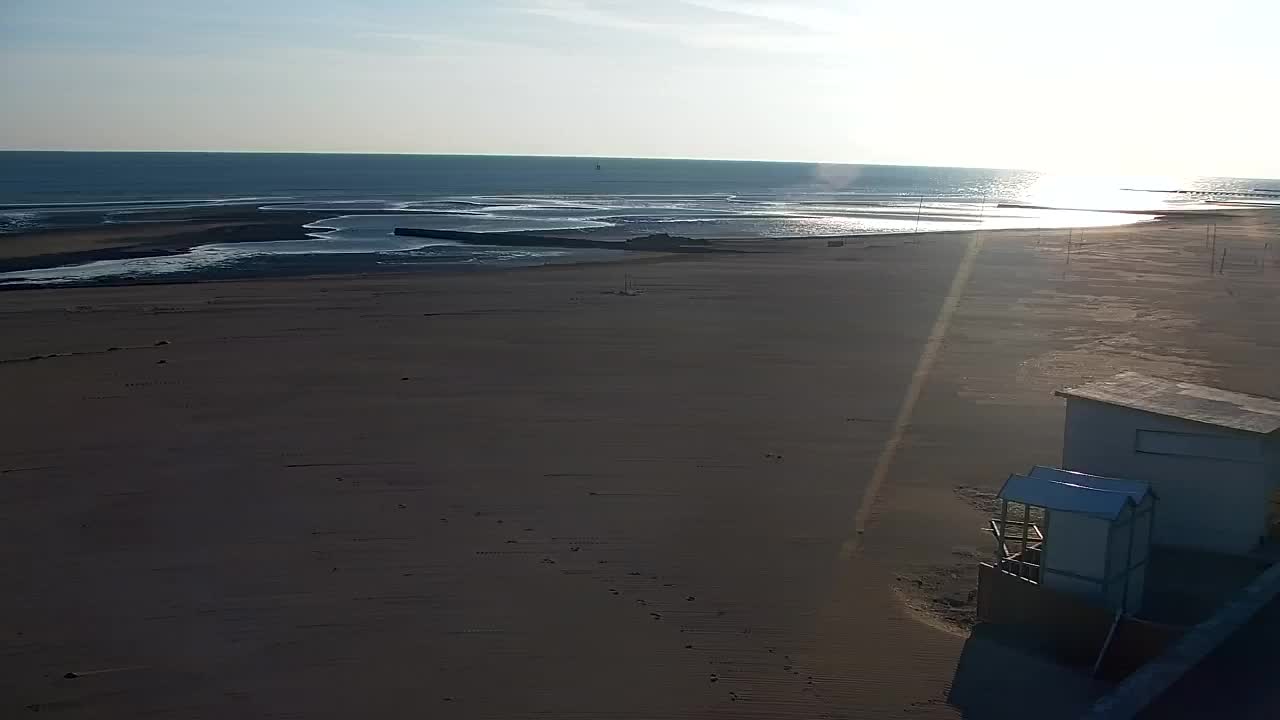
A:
x,y
1102,192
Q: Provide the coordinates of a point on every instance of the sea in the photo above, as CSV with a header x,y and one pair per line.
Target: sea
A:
x,y
363,197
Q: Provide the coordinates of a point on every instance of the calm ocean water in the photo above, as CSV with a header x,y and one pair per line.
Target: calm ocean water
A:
x,y
610,197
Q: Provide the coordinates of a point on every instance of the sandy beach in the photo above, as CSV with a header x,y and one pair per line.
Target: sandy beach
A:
x,y
746,490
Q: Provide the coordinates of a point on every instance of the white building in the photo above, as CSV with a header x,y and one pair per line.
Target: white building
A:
x,y
1212,456
1096,536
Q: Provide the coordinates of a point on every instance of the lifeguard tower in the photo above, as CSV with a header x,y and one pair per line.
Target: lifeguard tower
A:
x,y
1083,534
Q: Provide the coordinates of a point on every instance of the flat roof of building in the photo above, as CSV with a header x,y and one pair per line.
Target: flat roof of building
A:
x,y
1183,400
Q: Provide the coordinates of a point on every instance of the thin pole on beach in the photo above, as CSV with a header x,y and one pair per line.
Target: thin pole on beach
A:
x,y
919,211
1004,532
1222,263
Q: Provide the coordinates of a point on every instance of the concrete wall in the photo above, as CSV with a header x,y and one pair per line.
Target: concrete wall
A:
x,y
1067,626
1214,497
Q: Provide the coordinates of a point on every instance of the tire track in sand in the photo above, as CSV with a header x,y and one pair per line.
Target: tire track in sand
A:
x,y
928,355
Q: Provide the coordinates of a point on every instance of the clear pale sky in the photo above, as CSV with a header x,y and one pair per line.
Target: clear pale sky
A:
x,y
1116,85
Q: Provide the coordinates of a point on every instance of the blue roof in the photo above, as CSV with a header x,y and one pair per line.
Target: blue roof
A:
x,y
1136,489
1067,491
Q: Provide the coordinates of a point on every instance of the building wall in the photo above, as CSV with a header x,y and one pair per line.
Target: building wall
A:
x,y
1119,557
1273,478
1068,626
1213,483
1141,554
1076,544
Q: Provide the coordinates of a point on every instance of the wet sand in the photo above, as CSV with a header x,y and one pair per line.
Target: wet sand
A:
x,y
157,232
523,494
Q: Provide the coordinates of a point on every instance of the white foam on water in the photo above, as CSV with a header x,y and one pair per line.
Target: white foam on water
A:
x,y
340,235
360,232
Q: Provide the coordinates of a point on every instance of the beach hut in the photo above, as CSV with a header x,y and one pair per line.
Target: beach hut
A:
x,y
1212,455
1083,534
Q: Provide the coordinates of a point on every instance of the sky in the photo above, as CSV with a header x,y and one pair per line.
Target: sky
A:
x,y
1137,86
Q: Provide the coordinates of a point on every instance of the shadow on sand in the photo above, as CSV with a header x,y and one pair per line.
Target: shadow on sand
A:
x,y
1003,675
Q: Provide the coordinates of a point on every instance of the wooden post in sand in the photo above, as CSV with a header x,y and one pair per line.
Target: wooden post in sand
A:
x,y
1004,532
1223,263
919,210
982,215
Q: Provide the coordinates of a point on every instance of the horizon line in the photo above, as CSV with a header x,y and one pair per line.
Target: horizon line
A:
x,y
616,157
503,154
